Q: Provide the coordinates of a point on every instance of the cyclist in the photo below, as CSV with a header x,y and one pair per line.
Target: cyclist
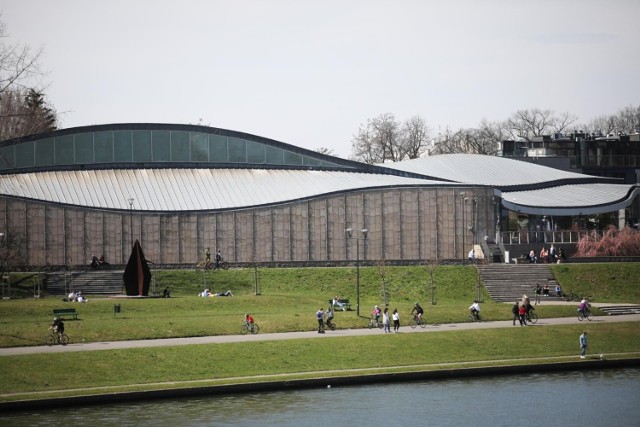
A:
x,y
57,326
419,311
528,309
475,310
584,306
376,313
329,315
248,319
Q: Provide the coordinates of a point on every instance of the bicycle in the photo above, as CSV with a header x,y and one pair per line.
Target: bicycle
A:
x,y
474,317
331,326
212,265
585,314
246,328
373,323
56,338
532,317
415,321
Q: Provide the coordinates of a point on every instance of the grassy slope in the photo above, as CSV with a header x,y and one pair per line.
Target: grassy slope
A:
x,y
287,301
216,364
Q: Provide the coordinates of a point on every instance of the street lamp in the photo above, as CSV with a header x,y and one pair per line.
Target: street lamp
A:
x,y
350,234
130,200
464,226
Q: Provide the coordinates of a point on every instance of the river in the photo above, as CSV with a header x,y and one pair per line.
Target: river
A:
x,y
574,398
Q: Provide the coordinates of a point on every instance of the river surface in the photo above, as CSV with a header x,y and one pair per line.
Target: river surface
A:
x,y
575,398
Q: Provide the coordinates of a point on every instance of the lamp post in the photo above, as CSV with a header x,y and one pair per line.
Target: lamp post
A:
x,y
130,200
350,234
464,226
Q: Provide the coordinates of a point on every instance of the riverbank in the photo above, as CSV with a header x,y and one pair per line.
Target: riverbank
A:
x,y
439,372
153,369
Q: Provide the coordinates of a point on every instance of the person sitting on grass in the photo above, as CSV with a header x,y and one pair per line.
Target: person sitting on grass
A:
x,y
223,294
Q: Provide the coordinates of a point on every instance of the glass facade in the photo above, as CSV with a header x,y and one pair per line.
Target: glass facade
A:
x,y
148,146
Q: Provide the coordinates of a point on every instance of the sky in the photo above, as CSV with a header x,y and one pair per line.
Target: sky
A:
x,y
309,73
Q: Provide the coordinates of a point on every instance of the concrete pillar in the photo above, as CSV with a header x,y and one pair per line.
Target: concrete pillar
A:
x,y
622,219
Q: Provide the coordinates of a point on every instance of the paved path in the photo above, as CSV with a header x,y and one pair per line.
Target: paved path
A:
x,y
221,339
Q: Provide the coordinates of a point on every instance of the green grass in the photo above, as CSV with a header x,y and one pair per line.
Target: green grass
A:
x,y
196,365
607,282
287,301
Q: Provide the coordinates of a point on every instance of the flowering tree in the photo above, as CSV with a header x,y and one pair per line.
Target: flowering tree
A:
x,y
614,242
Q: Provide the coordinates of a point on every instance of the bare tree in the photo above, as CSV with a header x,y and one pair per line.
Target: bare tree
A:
x,y
18,63
326,151
382,272
12,251
626,121
431,266
415,137
23,106
25,112
601,125
471,140
384,138
523,125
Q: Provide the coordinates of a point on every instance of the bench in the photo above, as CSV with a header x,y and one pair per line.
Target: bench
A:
x,y
66,313
344,302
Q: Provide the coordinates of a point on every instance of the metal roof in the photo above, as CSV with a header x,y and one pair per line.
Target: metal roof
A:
x,y
190,189
575,199
493,171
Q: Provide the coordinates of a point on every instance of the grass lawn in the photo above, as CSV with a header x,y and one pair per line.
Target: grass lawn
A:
x,y
287,300
210,364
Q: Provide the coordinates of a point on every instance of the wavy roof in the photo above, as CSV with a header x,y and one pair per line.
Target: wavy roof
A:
x,y
190,189
188,168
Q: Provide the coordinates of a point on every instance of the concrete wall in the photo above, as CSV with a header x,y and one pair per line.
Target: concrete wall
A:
x,y
404,224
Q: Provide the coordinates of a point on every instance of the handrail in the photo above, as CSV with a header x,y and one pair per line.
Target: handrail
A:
x,y
560,236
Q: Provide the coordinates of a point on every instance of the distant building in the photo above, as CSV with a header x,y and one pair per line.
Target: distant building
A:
x,y
611,156
179,189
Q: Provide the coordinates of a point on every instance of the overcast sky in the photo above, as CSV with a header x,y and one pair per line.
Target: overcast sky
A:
x,y
308,73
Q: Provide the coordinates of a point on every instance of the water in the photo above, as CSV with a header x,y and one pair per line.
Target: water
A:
x,y
577,398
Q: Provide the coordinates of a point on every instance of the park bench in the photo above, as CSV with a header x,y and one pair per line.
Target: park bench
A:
x,y
344,302
66,313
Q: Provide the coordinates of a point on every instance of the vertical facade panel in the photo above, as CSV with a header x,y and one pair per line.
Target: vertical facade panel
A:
x,y
392,227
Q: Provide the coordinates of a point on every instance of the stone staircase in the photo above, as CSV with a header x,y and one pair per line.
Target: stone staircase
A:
x,y
616,310
492,252
92,282
508,282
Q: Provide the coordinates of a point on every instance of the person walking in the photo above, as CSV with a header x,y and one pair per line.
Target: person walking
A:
x,y
386,321
523,314
538,291
516,313
583,345
396,321
320,318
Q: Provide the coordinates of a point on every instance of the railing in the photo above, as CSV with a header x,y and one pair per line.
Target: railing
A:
x,y
526,237
605,161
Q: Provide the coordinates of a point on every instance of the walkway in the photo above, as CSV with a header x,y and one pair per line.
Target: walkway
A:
x,y
223,339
